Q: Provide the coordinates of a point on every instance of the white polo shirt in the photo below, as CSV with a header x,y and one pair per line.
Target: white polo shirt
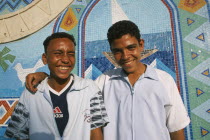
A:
x,y
149,110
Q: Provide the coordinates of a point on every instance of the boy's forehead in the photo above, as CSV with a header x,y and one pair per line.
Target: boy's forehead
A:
x,y
123,38
60,44
59,41
125,35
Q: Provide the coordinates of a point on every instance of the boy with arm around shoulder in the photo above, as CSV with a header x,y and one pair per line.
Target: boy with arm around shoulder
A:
x,y
65,106
142,102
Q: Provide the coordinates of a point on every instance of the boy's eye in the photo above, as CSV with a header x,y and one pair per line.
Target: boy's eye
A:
x,y
131,48
57,53
115,51
71,54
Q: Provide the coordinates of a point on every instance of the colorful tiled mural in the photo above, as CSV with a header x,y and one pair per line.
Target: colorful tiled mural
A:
x,y
177,40
8,6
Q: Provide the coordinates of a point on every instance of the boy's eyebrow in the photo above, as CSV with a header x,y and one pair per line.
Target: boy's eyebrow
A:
x,y
131,45
115,49
71,52
61,51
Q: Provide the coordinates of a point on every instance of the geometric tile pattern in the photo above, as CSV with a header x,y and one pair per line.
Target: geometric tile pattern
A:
x,y
199,92
191,5
194,55
195,25
206,73
190,21
92,72
203,11
202,111
101,63
6,108
201,72
199,36
7,6
204,132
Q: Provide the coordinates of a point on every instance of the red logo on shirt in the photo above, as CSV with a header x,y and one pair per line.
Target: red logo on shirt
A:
x,y
57,112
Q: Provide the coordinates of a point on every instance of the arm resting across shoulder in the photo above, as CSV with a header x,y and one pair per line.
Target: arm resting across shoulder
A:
x,y
33,80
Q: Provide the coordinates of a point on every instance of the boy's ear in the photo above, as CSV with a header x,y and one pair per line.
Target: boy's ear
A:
x,y
44,58
141,42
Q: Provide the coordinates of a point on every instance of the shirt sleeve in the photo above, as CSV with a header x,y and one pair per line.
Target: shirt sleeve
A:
x,y
18,126
100,81
98,112
177,116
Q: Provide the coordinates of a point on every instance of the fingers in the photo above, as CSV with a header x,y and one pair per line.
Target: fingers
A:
x,y
33,80
31,83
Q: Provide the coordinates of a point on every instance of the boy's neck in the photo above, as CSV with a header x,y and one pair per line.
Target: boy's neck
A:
x,y
133,77
58,84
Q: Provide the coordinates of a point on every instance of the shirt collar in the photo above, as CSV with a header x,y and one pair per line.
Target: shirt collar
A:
x,y
76,85
150,73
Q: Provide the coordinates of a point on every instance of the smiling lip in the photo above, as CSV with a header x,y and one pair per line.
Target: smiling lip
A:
x,y
127,62
64,67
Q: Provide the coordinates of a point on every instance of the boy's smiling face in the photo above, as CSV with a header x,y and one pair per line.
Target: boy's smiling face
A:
x,y
60,57
126,51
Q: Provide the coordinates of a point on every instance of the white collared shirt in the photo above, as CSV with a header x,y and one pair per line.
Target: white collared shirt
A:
x,y
149,110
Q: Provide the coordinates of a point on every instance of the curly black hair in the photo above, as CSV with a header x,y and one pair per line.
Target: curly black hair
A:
x,y
121,28
57,35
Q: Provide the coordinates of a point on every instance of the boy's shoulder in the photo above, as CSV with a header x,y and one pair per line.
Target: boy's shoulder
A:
x,y
163,74
110,73
104,78
42,86
165,78
80,83
81,80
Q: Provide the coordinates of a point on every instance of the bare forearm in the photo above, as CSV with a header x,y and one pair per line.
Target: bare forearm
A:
x,y
178,135
96,134
33,79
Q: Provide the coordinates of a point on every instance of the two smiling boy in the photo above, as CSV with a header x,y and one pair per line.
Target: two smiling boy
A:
x,y
141,102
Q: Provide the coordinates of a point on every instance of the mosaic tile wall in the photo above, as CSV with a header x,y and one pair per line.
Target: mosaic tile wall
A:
x,y
177,40
8,6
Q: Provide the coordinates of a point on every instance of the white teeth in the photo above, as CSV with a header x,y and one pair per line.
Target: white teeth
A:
x,y
128,62
64,68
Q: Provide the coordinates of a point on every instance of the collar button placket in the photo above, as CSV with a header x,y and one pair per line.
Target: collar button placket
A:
x,y
133,110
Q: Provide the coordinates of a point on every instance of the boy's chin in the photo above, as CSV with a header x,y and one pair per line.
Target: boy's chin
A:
x,y
128,71
63,77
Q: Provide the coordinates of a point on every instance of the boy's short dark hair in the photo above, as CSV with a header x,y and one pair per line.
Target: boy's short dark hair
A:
x,y
57,35
121,28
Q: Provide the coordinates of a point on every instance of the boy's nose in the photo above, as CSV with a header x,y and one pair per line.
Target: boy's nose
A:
x,y
125,55
65,58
